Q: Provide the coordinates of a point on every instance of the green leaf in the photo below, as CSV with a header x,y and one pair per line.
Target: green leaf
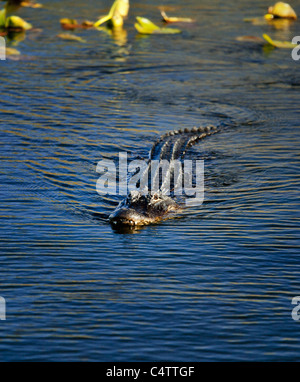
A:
x,y
102,20
168,19
117,12
145,26
12,52
279,44
2,18
71,37
17,22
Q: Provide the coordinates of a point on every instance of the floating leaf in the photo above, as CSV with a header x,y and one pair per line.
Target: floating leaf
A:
x,y
68,23
279,44
145,26
249,38
2,18
71,24
71,37
17,22
31,4
167,19
116,14
12,52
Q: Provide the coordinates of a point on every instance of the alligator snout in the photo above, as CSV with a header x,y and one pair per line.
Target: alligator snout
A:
x,y
128,216
138,209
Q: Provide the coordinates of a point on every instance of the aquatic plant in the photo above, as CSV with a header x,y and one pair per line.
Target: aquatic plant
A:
x,y
279,44
280,16
116,14
145,26
281,10
71,24
8,21
168,19
70,37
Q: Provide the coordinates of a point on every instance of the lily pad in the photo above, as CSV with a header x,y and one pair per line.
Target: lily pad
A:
x,y
279,44
145,26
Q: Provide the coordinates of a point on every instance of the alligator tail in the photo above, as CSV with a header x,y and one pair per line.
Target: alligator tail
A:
x,y
173,145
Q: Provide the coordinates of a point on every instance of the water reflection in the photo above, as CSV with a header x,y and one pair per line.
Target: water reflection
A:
x,y
119,35
125,229
15,37
281,24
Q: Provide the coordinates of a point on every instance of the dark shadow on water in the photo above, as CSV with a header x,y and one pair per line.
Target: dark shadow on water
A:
x,y
126,229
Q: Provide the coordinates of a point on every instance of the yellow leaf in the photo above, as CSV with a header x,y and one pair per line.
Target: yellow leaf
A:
x,y
31,4
71,37
281,9
175,19
17,22
2,18
269,16
145,26
279,44
117,12
12,52
68,21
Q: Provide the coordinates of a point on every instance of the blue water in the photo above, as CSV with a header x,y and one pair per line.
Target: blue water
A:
x,y
214,285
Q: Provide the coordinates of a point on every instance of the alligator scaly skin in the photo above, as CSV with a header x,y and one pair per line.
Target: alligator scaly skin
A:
x,y
140,209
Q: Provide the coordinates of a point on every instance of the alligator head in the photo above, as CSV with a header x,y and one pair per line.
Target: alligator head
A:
x,y
138,209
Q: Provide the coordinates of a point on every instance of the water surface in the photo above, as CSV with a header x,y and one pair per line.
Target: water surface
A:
x,y
215,285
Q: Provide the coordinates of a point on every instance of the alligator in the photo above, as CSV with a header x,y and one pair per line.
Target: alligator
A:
x,y
138,208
